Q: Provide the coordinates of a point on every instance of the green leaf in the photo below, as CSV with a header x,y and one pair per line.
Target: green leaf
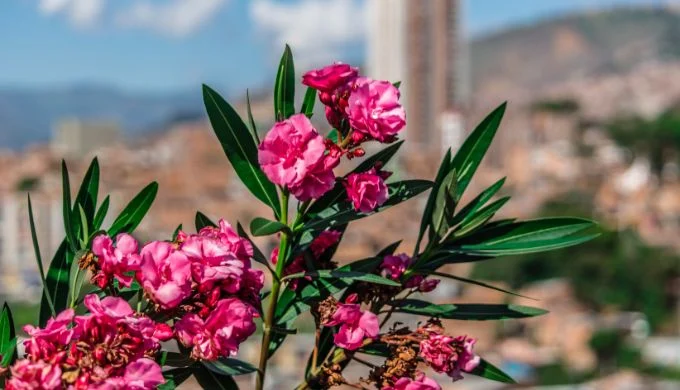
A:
x,y
480,217
251,120
101,214
76,278
57,281
202,221
265,227
334,135
475,282
174,378
308,102
444,169
528,236
38,257
212,380
474,312
135,211
9,355
470,154
468,212
284,89
444,204
230,367
239,147
7,336
489,371
345,275
397,84
87,198
66,207
176,232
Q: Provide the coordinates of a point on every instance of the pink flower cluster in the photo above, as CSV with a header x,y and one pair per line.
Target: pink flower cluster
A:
x,y
420,383
367,190
294,155
110,348
318,247
394,266
207,275
355,325
449,355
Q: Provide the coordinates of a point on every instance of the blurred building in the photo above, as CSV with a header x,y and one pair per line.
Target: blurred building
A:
x,y
420,44
76,138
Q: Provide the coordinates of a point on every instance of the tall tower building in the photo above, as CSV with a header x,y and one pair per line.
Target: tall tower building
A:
x,y
420,44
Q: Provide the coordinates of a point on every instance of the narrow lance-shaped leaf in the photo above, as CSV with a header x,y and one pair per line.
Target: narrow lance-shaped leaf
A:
x,y
489,371
87,199
7,335
101,213
284,88
57,280
528,236
251,119
38,257
66,207
345,275
470,154
444,204
474,312
135,211
257,254
230,367
308,102
239,147
208,379
202,221
479,218
265,227
467,212
444,169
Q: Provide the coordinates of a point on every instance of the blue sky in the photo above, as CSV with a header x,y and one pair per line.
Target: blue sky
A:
x,y
167,45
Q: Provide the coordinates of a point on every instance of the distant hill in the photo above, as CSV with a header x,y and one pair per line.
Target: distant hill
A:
x,y
574,46
27,116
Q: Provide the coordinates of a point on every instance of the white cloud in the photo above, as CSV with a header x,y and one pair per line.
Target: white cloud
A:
x,y
317,30
82,13
173,18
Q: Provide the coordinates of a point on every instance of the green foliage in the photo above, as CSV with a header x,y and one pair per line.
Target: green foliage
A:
x,y
475,312
135,211
284,89
605,273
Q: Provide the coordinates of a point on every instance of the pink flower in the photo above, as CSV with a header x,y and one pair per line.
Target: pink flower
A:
x,y
109,306
355,325
420,383
366,190
449,355
328,78
46,343
324,241
394,266
165,274
374,109
38,375
292,154
428,285
221,333
141,374
116,261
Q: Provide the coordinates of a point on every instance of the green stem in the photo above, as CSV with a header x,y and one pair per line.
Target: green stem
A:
x,y
276,287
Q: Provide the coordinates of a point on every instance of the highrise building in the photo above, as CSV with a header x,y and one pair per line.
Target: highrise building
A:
x,y
419,43
77,138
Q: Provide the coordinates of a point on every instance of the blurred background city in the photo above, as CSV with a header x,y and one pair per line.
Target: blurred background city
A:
x,y
592,129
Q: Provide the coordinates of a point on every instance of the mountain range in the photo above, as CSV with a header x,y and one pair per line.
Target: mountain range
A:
x,y
530,56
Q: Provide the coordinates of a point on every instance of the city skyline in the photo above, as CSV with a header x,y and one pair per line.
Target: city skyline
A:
x,y
56,43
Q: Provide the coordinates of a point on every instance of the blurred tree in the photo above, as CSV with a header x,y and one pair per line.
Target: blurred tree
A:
x,y
617,270
657,139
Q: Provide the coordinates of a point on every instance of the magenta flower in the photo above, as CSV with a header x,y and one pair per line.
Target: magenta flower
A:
x,y
420,383
221,333
366,190
449,355
38,375
331,77
393,266
141,374
115,261
292,154
355,325
324,241
165,274
109,306
374,109
47,342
